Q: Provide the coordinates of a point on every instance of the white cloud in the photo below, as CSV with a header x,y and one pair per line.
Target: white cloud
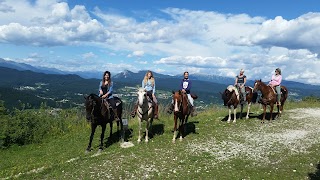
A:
x,y
197,41
136,54
88,55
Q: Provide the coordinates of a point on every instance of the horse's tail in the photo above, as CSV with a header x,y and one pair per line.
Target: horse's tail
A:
x,y
194,96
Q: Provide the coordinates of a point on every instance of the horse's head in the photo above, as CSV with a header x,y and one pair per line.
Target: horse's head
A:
x,y
257,85
177,100
89,105
142,96
226,96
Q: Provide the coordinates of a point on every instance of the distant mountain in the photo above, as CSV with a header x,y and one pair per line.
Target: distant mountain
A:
x,y
23,66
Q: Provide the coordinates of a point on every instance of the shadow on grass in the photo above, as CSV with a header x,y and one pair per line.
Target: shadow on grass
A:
x,y
315,175
115,137
259,117
238,116
190,127
157,129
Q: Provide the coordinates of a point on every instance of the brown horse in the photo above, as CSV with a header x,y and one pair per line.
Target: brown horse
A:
x,y
231,98
98,114
269,97
182,111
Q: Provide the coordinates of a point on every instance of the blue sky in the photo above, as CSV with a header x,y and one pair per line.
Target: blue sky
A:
x,y
208,37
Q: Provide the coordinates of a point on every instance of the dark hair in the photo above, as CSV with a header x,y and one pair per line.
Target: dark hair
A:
x,y
185,72
104,80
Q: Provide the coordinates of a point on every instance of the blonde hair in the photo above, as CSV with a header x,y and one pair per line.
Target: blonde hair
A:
x,y
242,70
145,79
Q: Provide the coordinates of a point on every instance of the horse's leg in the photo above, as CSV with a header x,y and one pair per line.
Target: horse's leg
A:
x,y
229,118
103,126
271,110
93,129
175,129
110,134
264,112
248,111
234,115
181,128
139,137
147,131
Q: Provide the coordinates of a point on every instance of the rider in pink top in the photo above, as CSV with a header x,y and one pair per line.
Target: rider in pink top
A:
x,y
275,82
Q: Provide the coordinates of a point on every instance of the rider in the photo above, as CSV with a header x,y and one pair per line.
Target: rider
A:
x,y
185,87
240,82
149,84
105,92
275,82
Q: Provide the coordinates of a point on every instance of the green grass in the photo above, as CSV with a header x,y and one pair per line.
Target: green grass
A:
x,y
212,149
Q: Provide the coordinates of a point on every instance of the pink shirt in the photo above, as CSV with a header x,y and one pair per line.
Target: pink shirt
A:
x,y
276,80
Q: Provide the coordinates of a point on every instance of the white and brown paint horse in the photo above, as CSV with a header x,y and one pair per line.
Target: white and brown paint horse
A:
x,y
182,111
145,112
231,98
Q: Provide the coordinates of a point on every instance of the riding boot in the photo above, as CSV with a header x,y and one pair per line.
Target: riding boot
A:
x,y
134,112
170,109
156,111
116,117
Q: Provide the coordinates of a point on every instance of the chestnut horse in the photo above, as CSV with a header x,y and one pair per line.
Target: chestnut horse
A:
x,y
231,97
98,114
182,111
269,97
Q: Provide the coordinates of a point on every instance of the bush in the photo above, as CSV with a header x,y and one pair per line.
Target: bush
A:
x,y
34,125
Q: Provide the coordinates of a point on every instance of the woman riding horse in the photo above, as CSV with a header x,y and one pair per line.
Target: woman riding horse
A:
x,y
240,82
275,82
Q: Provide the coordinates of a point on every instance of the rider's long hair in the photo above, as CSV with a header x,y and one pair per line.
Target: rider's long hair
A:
x,y
104,79
145,79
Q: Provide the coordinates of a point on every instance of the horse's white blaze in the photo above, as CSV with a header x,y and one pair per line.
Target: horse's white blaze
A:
x,y
248,112
176,109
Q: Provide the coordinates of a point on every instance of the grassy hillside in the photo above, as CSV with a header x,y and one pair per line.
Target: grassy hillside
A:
x,y
286,148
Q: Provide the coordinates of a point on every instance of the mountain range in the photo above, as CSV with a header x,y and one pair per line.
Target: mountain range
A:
x,y
25,84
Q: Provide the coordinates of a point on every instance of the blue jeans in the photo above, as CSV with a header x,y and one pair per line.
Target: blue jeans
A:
x,y
278,90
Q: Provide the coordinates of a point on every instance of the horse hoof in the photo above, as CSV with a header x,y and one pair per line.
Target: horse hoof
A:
x,y
99,151
234,121
173,141
87,151
228,121
180,138
139,140
146,141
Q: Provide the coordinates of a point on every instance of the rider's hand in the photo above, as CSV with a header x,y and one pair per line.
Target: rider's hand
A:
x,y
183,90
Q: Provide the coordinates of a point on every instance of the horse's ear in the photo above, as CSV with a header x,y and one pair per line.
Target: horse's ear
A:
x,y
85,96
259,80
172,91
180,92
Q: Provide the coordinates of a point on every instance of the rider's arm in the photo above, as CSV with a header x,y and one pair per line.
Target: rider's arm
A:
x,y
154,87
100,90
189,87
110,88
244,81
236,81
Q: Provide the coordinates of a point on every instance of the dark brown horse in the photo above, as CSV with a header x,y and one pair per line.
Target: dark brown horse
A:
x,y
182,111
98,114
231,98
269,97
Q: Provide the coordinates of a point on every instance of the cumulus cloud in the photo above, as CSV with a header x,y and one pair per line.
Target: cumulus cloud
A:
x,y
136,54
4,8
88,55
197,41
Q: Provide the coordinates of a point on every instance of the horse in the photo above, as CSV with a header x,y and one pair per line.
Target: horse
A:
x,y
182,110
98,114
231,98
269,98
145,111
